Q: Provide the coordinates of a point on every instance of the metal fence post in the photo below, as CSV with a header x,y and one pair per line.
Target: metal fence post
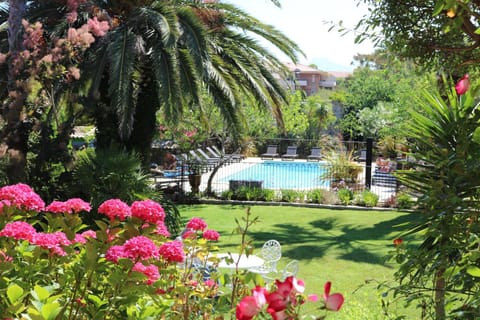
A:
x,y
368,164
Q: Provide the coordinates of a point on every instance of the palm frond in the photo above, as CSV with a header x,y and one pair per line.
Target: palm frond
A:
x,y
122,58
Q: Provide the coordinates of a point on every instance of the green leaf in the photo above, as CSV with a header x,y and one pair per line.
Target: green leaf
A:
x,y
14,293
474,271
51,310
438,8
41,293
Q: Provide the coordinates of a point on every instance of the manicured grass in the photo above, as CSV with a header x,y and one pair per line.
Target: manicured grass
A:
x,y
347,247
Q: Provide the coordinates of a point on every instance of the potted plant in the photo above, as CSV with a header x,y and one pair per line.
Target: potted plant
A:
x,y
195,169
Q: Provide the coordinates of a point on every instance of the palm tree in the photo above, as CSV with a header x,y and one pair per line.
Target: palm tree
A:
x,y
164,54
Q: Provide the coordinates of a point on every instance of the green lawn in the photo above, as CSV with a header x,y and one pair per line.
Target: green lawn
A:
x,y
347,247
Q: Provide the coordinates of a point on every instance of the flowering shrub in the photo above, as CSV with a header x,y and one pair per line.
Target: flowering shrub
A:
x,y
53,267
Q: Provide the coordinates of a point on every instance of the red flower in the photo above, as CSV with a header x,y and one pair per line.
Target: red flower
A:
x,y
332,301
151,271
74,205
250,306
462,85
397,242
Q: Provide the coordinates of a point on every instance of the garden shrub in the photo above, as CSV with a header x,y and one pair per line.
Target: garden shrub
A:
x,y
289,195
99,175
227,195
367,198
404,201
345,196
315,196
268,195
129,268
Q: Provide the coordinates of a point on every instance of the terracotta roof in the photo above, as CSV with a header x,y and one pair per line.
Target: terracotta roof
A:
x,y
340,74
303,68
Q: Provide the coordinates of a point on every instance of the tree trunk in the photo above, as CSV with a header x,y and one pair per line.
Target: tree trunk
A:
x,y
440,294
15,133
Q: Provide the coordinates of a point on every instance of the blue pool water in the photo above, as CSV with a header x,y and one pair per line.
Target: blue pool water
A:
x,y
283,175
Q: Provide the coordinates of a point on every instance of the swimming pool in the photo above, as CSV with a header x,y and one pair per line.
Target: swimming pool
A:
x,y
283,175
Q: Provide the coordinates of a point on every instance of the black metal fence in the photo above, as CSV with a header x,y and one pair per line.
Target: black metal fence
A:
x,y
301,176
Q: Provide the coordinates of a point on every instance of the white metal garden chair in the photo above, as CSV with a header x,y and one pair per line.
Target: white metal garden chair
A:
x,y
271,254
291,269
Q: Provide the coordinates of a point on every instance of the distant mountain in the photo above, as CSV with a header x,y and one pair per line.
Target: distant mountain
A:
x,y
325,64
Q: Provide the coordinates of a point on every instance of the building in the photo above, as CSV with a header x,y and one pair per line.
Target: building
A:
x,y
310,79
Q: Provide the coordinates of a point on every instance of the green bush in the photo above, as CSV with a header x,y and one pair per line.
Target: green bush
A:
x,y
315,196
114,174
227,195
289,195
345,196
367,198
404,201
268,195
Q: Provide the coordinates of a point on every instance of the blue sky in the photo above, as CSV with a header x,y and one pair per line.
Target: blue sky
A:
x,y
303,22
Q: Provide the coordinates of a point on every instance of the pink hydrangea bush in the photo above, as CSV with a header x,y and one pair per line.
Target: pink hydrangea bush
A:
x,y
128,263
127,268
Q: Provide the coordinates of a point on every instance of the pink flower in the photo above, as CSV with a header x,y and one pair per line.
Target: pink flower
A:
x,y
172,251
332,301
148,210
115,208
211,235
52,241
210,283
3,58
5,257
250,306
151,271
22,196
74,72
196,224
247,308
18,230
189,234
89,234
74,205
114,253
140,248
82,237
98,28
162,230
462,85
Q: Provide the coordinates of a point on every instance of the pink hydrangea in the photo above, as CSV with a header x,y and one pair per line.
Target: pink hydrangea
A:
x,y
197,224
211,235
140,248
162,230
74,205
151,271
114,253
52,241
148,211
18,230
115,208
22,196
172,251
82,237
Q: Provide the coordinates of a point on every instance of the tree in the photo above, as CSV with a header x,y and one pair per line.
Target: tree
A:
x,y
435,33
439,271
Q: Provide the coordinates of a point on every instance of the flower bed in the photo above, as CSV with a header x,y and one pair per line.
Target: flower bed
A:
x,y
53,267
